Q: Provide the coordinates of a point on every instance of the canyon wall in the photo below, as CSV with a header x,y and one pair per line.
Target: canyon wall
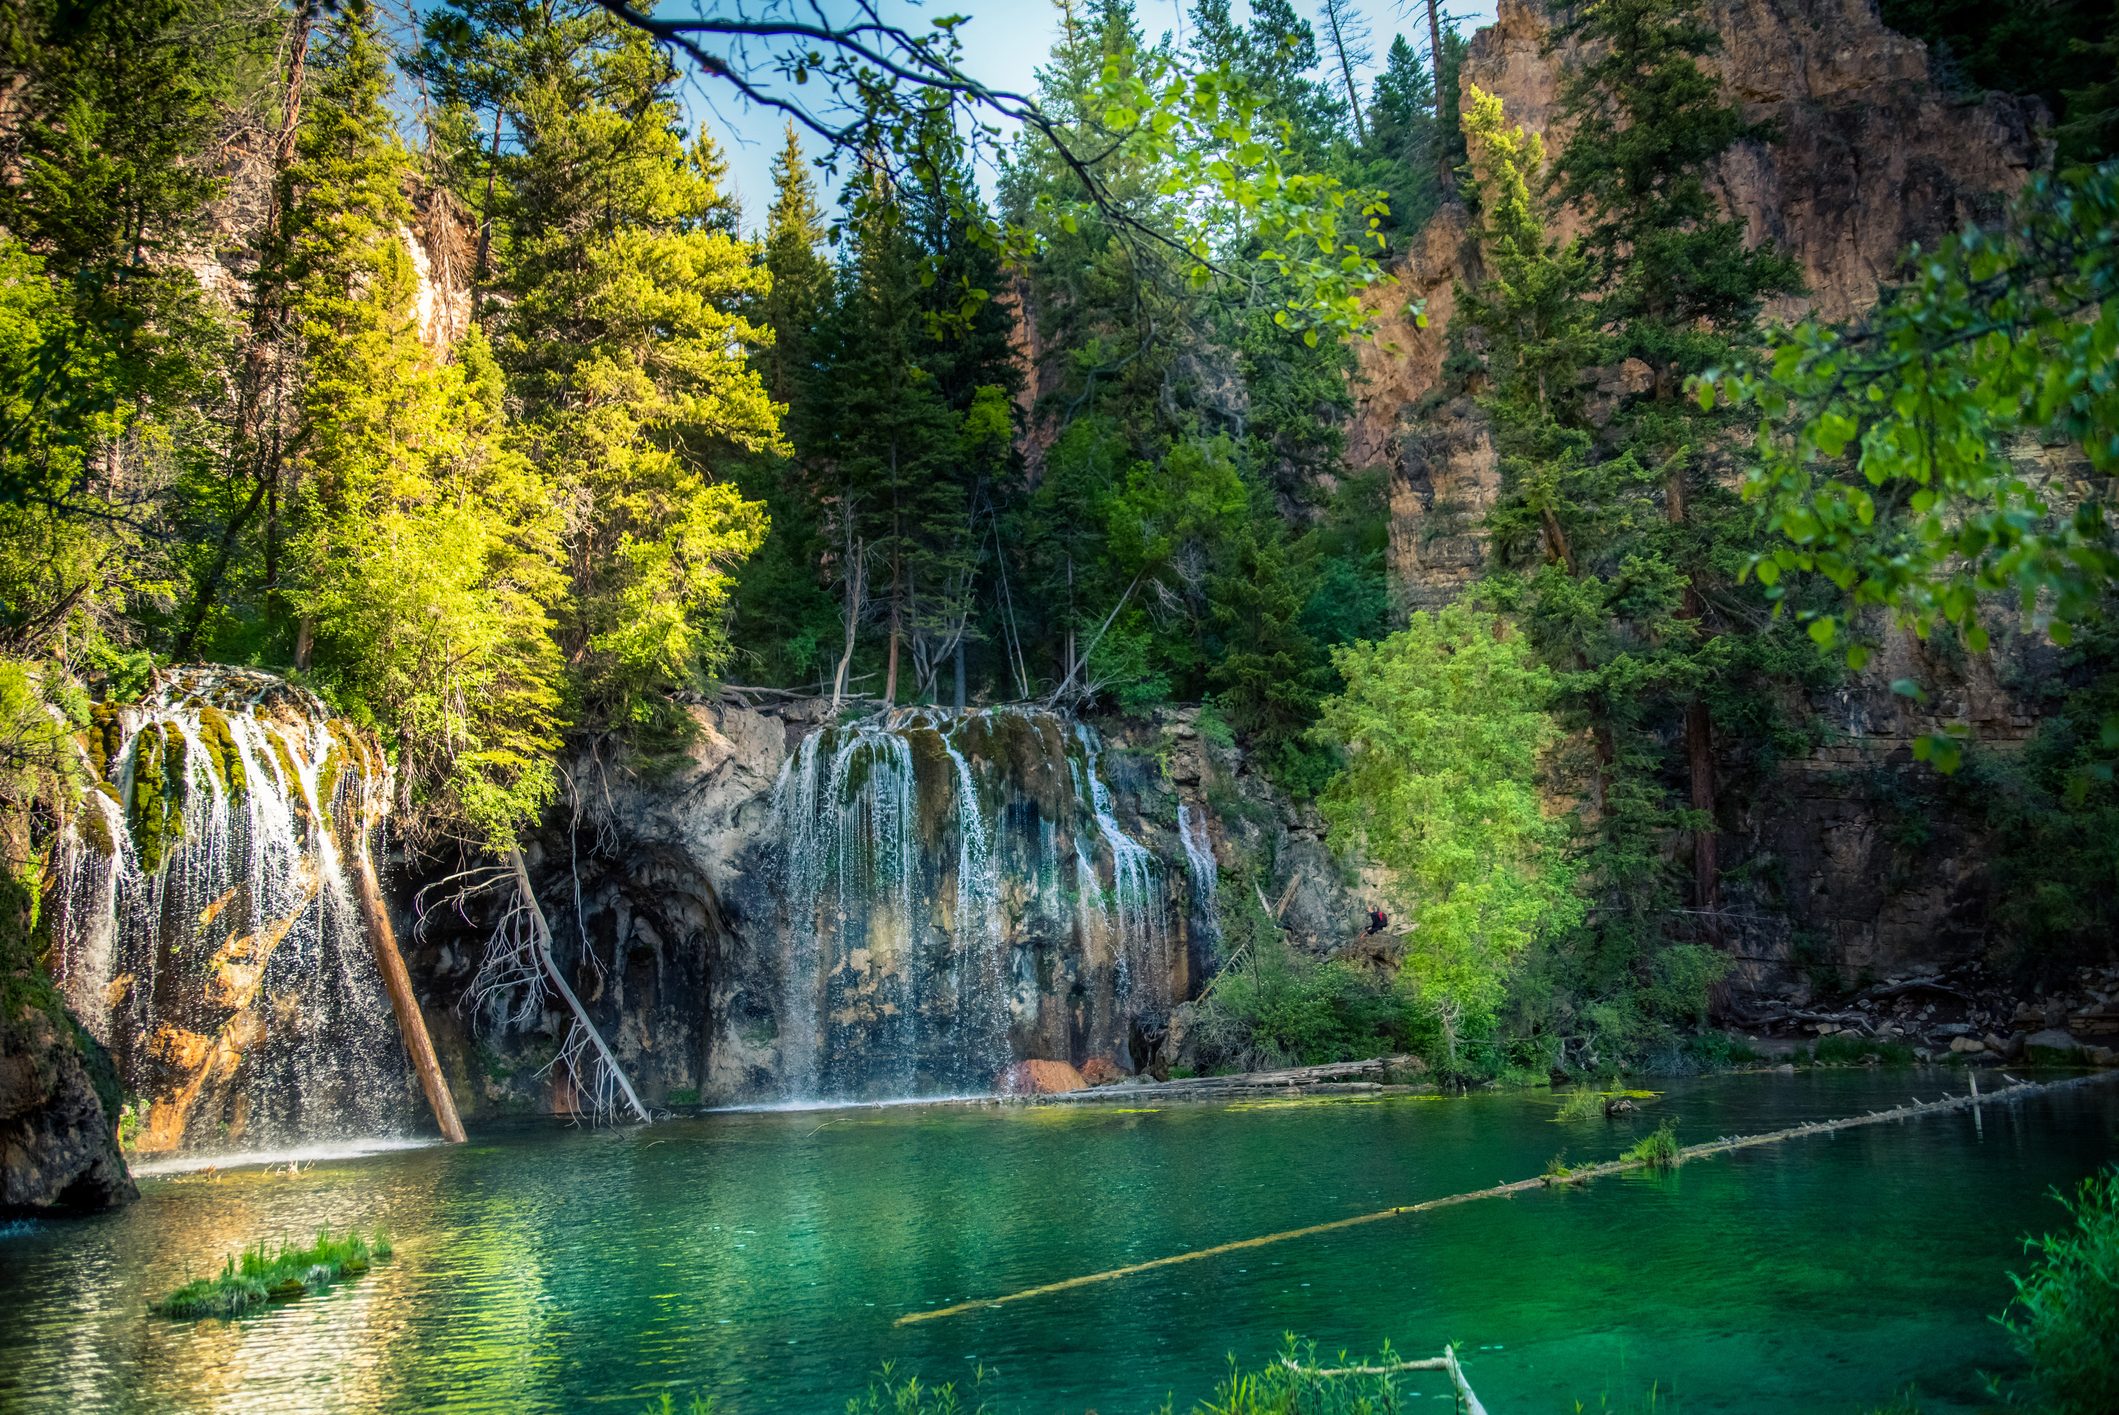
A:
x,y
1869,155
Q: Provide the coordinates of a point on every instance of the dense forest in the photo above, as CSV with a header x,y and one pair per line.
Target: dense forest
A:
x,y
1061,416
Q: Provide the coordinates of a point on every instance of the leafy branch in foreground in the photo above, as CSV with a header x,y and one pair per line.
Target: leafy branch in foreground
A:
x,y
2065,1316
2001,341
1230,172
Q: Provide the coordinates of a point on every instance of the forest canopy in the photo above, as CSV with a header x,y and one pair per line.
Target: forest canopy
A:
x,y
437,368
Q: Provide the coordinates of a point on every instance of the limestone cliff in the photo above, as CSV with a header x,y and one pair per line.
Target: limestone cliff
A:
x,y
809,906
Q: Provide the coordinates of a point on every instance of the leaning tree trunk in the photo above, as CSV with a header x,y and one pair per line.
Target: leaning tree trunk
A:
x,y
411,1024
543,932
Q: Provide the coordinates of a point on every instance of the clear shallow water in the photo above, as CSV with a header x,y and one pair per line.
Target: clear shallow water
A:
x,y
762,1257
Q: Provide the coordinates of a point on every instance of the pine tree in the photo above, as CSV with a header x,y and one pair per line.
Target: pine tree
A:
x,y
890,444
1617,534
423,558
794,303
623,334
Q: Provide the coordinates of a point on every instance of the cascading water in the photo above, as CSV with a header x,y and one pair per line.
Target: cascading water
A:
x,y
958,894
1200,861
205,926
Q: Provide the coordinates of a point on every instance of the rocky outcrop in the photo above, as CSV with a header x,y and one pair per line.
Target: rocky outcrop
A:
x,y
1869,154
731,953
1846,862
58,1132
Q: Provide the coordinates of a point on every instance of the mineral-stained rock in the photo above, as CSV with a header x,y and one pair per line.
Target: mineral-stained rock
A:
x,y
1041,1078
58,1145
1869,153
1102,1071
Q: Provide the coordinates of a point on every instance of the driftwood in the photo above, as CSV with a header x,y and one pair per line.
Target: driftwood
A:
x,y
1447,1361
398,983
1337,1076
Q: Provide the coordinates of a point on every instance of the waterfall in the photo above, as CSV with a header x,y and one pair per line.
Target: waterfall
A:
x,y
958,893
206,930
1199,860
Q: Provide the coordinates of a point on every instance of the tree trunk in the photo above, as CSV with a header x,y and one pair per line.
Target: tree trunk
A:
x,y
411,1025
1699,753
1445,107
1699,738
485,214
1346,71
890,676
960,672
551,968
856,585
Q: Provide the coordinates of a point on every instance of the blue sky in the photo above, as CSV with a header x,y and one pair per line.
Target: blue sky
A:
x,y
1004,43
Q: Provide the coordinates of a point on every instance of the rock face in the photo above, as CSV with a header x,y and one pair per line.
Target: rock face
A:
x,y
58,1142
1868,156
1847,860
900,904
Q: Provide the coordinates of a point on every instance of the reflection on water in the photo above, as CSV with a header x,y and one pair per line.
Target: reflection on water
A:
x,y
762,1257
299,1154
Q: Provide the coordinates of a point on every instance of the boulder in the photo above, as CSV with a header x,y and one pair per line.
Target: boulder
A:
x,y
1965,1045
2052,1044
58,1144
1102,1071
1041,1078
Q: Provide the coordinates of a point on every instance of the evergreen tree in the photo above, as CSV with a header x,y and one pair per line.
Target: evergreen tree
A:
x,y
1621,543
623,335
423,555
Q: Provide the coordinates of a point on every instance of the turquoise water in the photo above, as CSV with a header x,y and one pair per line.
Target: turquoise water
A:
x,y
762,1258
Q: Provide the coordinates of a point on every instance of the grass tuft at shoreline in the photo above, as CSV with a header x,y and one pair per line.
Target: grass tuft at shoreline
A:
x,y
255,1277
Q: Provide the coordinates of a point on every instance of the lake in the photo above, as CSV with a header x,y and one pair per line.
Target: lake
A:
x,y
761,1258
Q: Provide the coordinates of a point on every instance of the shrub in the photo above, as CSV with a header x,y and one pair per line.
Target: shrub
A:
x,y
2065,1315
1286,1009
1656,1150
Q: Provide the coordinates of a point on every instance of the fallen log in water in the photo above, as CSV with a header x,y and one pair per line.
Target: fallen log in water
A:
x,y
1725,1145
1337,1076
1467,1402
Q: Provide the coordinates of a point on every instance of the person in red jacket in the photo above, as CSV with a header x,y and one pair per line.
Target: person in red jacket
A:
x,y
1378,922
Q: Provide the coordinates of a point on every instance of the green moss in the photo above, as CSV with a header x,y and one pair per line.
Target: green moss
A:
x,y
102,737
222,752
158,763
255,1277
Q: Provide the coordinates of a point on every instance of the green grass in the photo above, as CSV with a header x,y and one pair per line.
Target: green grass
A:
x,y
1582,1103
1656,1150
251,1279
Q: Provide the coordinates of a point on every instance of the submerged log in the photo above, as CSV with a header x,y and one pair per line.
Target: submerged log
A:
x,y
398,983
